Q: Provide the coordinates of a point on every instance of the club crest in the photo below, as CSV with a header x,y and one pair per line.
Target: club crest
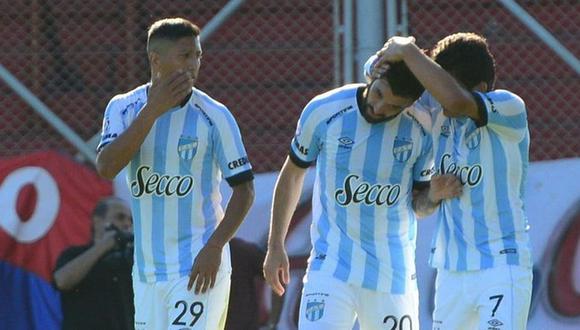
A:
x,y
473,139
187,147
446,128
314,310
402,149
445,131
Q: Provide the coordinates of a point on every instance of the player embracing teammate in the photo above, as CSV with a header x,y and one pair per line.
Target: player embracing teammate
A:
x,y
481,245
373,173
481,249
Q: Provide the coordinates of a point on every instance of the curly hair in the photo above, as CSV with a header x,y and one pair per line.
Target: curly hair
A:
x,y
466,56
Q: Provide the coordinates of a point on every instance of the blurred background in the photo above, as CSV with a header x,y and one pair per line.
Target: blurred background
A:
x,y
265,60
63,60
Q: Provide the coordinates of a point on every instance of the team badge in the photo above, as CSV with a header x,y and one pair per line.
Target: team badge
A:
x,y
314,310
473,139
446,128
445,131
402,149
187,147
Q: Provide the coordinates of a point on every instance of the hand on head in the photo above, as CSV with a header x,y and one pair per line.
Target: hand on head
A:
x,y
393,49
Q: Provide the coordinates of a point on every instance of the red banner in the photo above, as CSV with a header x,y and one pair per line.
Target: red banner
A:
x,y
45,204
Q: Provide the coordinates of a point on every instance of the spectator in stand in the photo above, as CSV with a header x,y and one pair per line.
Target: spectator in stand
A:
x,y
95,279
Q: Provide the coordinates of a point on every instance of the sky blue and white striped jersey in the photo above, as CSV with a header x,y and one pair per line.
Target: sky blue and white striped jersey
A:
x,y
486,226
364,228
174,179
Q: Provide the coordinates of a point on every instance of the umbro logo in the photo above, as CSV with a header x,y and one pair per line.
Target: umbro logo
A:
x,y
345,140
495,323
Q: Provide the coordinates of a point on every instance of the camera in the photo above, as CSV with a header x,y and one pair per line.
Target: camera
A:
x,y
122,238
122,254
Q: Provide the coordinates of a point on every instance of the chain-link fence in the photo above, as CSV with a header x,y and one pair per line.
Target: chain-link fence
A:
x,y
525,65
264,63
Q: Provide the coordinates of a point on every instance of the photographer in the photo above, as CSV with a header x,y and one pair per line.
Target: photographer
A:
x,y
95,279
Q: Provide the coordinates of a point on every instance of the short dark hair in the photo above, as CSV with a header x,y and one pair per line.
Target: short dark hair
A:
x,y
402,81
467,57
171,29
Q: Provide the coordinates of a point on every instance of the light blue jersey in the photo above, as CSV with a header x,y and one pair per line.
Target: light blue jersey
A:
x,y
364,228
174,179
486,226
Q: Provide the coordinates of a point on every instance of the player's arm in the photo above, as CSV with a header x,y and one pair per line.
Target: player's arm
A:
x,y
205,268
455,99
286,196
114,156
164,94
232,159
304,150
504,113
428,195
69,275
236,210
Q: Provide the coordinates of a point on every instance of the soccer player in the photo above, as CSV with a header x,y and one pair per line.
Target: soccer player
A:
x,y
177,142
372,157
481,245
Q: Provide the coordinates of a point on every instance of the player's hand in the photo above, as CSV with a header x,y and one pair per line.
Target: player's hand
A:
x,y
394,48
277,269
205,268
444,187
379,69
168,91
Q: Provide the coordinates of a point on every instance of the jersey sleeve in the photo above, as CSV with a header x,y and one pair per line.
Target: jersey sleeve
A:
x,y
426,103
230,152
305,145
504,113
118,116
424,167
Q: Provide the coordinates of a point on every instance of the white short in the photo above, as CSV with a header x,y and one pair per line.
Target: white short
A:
x,y
491,299
169,305
329,303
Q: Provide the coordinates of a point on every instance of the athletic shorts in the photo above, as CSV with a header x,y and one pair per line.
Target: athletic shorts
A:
x,y
491,299
328,303
169,305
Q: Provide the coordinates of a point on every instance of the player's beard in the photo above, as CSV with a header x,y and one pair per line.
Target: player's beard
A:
x,y
366,109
